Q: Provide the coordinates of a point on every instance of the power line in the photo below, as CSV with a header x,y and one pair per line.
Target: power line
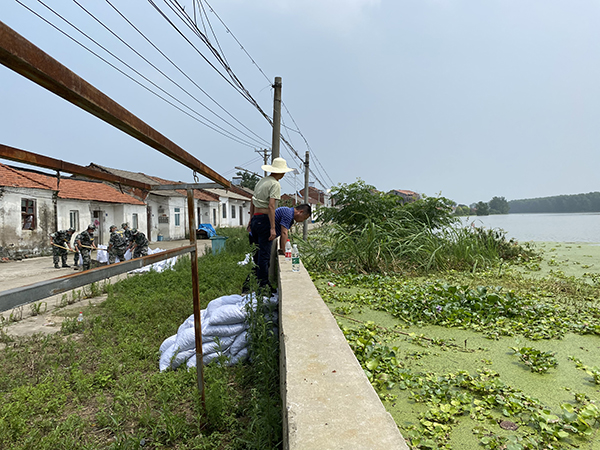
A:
x,y
234,138
162,73
180,12
180,70
267,78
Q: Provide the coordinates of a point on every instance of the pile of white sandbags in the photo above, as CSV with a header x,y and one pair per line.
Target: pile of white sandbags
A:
x,y
224,332
102,257
157,266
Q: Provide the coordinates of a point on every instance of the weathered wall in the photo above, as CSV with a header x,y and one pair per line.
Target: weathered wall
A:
x,y
16,242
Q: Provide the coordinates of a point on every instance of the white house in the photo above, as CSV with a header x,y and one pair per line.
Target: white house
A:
x,y
34,204
234,208
166,211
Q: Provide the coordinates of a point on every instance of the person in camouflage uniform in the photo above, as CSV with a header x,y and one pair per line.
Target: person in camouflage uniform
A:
x,y
76,252
127,233
60,241
85,243
140,244
117,245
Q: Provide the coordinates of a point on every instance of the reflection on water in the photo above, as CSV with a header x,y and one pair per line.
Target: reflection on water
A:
x,y
584,227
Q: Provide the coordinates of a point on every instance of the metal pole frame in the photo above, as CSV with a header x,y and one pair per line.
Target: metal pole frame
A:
x,y
23,295
196,296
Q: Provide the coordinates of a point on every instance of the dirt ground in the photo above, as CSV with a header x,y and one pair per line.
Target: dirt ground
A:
x,y
15,274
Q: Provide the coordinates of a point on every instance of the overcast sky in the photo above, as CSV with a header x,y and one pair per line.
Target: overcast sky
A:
x,y
470,99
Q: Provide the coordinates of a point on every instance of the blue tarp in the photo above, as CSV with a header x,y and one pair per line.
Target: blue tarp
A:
x,y
210,231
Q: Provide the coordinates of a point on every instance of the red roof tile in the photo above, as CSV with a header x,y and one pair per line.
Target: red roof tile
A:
x,y
67,188
16,178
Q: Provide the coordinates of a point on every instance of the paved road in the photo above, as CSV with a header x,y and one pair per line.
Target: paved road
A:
x,y
28,271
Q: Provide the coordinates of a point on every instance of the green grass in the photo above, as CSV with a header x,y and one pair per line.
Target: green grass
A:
x,y
96,385
406,246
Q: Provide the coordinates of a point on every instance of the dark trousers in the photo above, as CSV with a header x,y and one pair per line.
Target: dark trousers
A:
x,y
260,227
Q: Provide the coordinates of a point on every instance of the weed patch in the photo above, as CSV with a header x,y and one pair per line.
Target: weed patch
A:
x,y
96,385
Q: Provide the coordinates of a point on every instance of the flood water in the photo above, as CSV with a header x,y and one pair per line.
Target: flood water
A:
x,y
582,227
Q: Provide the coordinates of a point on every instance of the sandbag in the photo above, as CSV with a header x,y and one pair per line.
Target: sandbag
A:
x,y
182,357
228,314
168,342
240,342
220,345
165,358
224,330
239,357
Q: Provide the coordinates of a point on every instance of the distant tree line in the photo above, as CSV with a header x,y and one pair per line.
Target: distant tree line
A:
x,y
558,204
497,205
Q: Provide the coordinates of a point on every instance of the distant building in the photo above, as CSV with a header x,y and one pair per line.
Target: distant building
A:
x,y
406,196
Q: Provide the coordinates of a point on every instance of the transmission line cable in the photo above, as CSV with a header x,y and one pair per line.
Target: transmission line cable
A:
x,y
163,74
230,136
267,78
182,72
184,16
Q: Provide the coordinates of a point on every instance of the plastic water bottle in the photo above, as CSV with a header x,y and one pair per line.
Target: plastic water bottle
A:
x,y
288,250
80,318
295,259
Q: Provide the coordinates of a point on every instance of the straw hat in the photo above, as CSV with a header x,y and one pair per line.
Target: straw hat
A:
x,y
277,166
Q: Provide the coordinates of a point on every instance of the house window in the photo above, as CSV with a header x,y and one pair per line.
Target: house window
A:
x,y
74,219
177,217
224,208
134,220
233,211
28,214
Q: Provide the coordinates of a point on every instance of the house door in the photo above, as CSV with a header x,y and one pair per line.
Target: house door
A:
x,y
199,217
241,216
214,217
99,222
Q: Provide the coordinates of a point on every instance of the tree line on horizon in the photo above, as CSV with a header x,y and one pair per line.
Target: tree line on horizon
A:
x,y
497,205
574,203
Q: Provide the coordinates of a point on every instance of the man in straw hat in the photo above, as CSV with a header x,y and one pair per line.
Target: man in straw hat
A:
x,y
262,216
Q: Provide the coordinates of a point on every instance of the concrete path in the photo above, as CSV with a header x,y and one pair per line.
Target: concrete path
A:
x,y
15,274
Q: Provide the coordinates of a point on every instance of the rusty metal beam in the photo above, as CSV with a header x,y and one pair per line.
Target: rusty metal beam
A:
x,y
184,186
15,154
20,55
32,293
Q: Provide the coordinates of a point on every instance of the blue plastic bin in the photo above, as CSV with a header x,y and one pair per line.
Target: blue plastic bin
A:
x,y
218,243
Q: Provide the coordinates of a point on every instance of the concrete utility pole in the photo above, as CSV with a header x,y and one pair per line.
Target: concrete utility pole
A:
x,y
264,151
306,198
276,119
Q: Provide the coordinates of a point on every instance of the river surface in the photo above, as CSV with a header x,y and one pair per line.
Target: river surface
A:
x,y
582,227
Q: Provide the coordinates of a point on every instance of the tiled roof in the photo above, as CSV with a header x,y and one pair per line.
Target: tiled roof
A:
x,y
16,178
67,188
405,192
229,194
199,194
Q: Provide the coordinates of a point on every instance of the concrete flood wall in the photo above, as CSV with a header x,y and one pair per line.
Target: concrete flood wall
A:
x,y
328,402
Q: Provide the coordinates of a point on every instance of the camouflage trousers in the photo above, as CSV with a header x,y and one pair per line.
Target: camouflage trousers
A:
x,y
140,251
76,257
58,254
116,251
86,257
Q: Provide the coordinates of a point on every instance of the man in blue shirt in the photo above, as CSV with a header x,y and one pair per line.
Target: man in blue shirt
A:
x,y
284,219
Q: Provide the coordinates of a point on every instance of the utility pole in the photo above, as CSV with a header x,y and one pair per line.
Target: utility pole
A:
x,y
265,158
276,119
306,198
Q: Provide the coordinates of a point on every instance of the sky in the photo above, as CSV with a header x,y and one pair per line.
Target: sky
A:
x,y
467,99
